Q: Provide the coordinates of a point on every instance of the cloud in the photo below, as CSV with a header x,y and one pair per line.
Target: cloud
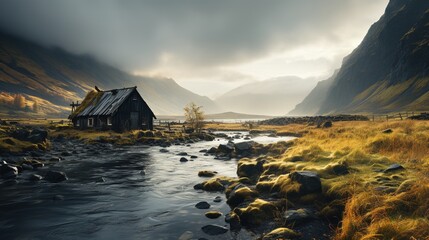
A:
x,y
181,36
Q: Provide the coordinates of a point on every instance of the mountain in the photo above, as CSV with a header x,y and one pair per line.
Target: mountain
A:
x,y
387,72
54,78
270,97
312,102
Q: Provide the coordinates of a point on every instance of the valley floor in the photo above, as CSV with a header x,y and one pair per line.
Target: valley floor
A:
x,y
373,175
353,180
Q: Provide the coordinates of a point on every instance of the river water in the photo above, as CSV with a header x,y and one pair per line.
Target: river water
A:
x,y
131,192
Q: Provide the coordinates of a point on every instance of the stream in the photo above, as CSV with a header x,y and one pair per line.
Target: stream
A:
x,y
119,192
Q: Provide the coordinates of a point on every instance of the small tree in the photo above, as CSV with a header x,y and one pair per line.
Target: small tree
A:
x,y
194,116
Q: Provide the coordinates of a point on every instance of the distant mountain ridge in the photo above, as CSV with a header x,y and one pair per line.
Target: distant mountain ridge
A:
x,y
54,78
274,96
388,71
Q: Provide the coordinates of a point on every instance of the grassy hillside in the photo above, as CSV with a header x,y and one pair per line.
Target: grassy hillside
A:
x,y
57,78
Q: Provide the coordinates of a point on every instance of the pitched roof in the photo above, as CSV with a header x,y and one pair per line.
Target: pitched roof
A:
x,y
103,103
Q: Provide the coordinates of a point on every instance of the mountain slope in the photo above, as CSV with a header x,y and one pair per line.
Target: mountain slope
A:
x,y
270,97
58,77
312,102
389,70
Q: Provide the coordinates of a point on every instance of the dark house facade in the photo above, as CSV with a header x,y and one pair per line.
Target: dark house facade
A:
x,y
117,109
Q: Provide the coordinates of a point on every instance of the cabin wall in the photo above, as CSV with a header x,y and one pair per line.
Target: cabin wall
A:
x,y
133,113
99,123
122,118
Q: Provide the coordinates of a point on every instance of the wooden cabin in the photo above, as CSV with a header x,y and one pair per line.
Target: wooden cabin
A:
x,y
117,109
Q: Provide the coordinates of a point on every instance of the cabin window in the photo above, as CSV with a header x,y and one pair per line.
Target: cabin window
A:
x,y
109,121
90,122
78,123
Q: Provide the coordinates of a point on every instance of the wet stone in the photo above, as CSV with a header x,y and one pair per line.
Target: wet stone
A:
x,y
213,229
213,214
202,205
55,176
35,177
217,199
183,159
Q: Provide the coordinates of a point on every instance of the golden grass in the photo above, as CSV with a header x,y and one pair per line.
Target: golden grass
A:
x,y
349,158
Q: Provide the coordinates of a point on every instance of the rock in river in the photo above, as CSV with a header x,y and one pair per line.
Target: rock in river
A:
x,y
8,172
55,176
206,173
213,214
281,233
213,229
35,177
183,159
202,205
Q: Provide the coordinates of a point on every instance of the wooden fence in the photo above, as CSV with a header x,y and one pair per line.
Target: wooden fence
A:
x,y
393,116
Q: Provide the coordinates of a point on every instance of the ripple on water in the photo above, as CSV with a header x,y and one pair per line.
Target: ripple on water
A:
x,y
127,204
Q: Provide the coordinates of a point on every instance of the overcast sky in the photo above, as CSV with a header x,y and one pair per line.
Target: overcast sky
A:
x,y
201,42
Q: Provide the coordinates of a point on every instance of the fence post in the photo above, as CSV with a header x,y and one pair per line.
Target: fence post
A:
x,y
400,116
373,118
387,118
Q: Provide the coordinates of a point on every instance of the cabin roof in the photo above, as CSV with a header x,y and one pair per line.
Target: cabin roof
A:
x,y
103,103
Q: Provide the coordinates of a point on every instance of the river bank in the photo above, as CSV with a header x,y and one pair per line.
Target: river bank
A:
x,y
362,180
345,181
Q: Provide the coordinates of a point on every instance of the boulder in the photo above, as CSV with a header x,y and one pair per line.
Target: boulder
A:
x,y
202,205
213,185
206,173
256,213
387,131
8,172
213,214
35,177
250,169
281,233
225,148
213,229
55,176
394,167
27,166
239,195
163,150
310,181
38,136
298,216
182,154
244,147
183,159
212,150
21,134
327,124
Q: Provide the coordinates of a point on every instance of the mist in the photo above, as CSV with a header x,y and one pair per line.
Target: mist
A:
x,y
198,42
